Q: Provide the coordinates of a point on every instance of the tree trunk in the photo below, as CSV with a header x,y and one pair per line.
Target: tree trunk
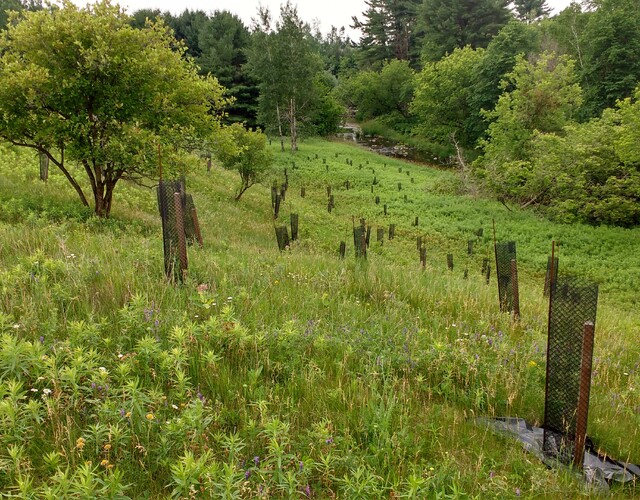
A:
x,y
293,124
280,127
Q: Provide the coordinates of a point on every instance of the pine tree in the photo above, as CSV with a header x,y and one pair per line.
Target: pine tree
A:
x,y
530,10
448,24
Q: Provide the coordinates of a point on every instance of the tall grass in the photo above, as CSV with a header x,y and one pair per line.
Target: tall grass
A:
x,y
294,374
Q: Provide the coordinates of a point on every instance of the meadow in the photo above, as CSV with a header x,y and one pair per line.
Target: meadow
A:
x,y
293,374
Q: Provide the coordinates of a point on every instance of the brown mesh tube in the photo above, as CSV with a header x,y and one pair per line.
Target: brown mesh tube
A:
x,y
583,396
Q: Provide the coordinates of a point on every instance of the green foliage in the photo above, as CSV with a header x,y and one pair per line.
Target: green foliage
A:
x,y
447,24
610,54
498,61
16,6
591,172
443,90
388,32
531,10
223,40
245,151
544,99
148,95
286,62
269,375
386,94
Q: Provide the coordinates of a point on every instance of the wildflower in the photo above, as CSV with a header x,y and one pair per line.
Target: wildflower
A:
x,y
175,407
16,326
517,492
329,440
532,364
127,415
33,389
41,339
80,443
203,287
256,460
104,463
102,369
247,474
307,490
150,416
46,392
107,447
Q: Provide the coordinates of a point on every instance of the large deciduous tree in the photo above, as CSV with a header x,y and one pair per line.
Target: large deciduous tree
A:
x,y
610,54
441,102
286,62
544,99
98,96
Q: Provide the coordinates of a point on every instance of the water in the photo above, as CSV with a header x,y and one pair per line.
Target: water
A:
x,y
383,146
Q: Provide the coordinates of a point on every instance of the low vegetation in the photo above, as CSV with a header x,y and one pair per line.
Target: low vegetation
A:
x,y
294,374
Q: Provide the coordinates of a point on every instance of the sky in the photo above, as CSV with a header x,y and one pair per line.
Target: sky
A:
x,y
327,12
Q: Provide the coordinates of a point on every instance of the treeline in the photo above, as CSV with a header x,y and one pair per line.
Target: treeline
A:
x,y
541,109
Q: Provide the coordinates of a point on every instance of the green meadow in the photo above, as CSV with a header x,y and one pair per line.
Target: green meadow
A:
x,y
293,374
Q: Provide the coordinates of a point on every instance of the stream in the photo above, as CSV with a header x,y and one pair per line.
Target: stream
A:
x,y
351,132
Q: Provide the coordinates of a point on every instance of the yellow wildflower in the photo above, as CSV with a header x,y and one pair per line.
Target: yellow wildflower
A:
x,y
107,447
532,364
80,443
104,463
150,416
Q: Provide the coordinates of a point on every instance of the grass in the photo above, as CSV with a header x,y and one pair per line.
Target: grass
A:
x,y
295,374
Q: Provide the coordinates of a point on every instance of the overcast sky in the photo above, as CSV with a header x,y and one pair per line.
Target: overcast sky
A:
x,y
327,12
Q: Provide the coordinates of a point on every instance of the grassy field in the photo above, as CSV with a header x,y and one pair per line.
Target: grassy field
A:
x,y
294,374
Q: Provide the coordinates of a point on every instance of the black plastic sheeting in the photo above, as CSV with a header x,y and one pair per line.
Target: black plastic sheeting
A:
x,y
598,470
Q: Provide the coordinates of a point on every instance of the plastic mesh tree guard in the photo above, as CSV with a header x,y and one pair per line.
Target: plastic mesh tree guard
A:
x,y
189,223
282,235
573,302
170,227
44,167
505,253
360,241
294,227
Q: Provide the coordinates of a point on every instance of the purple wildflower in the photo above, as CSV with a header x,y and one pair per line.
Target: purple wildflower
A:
x,y
256,460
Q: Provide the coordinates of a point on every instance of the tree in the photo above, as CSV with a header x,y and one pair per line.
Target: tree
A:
x,y
386,94
286,62
498,61
223,41
388,31
447,24
529,11
16,6
99,97
610,54
443,91
545,98
245,151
